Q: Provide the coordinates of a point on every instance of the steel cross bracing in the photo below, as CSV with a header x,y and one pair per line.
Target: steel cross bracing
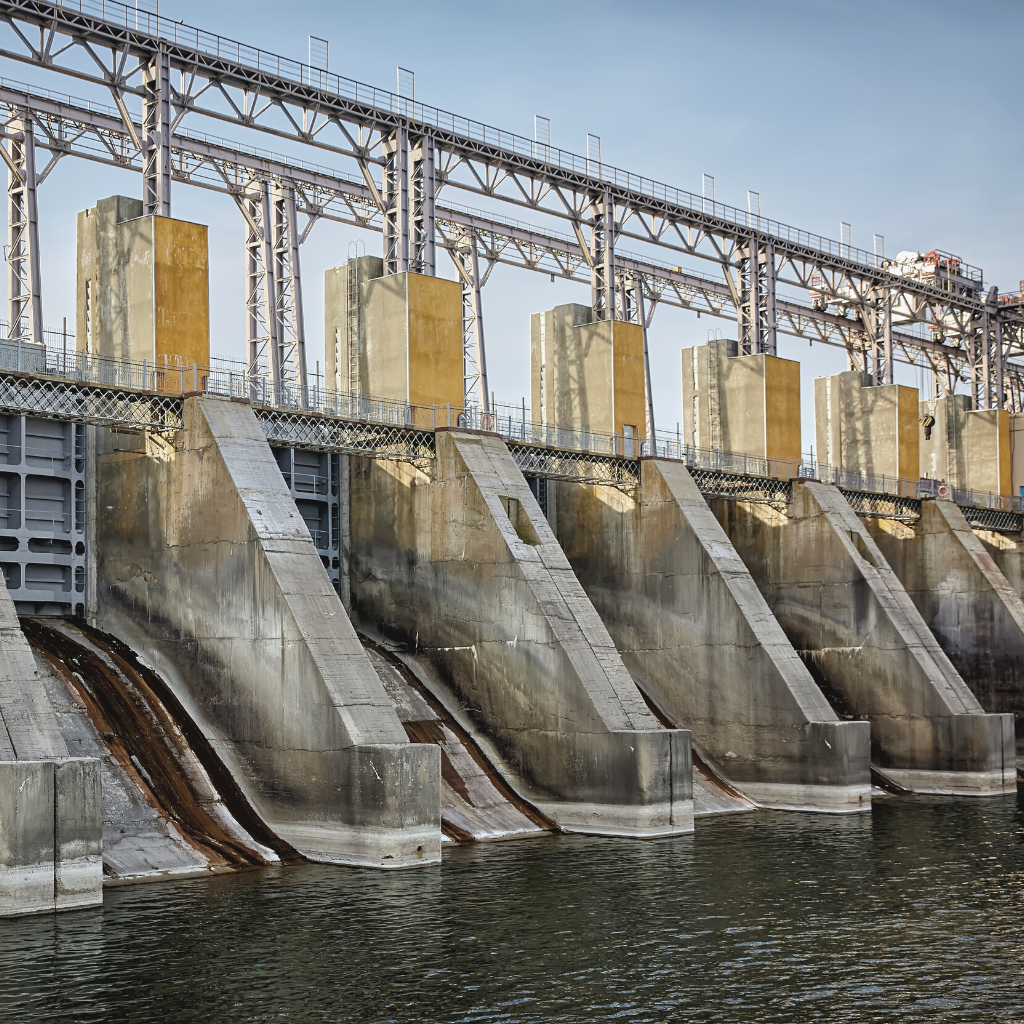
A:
x,y
112,45
466,258
24,287
63,126
89,403
348,437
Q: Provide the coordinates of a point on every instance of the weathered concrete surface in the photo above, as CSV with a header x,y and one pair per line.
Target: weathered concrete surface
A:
x,y
957,587
867,428
206,566
139,844
588,374
844,609
968,448
51,829
698,636
464,570
1007,551
142,286
747,404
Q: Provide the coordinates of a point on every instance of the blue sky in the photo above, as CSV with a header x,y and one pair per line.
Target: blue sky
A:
x,y
901,118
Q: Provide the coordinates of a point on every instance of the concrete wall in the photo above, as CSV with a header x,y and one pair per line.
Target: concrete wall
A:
x,y
463,570
968,448
845,611
867,429
345,327
51,827
205,566
585,374
747,404
967,602
142,285
698,636
1016,431
413,340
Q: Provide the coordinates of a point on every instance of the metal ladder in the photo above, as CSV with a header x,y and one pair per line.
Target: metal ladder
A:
x,y
352,339
714,412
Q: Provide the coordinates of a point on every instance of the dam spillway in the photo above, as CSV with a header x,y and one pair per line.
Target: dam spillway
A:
x,y
254,615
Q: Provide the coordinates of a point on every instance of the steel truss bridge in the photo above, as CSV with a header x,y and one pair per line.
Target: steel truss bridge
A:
x,y
135,397
407,160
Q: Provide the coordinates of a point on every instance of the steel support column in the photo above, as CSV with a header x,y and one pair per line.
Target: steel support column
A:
x,y
878,360
992,390
602,256
756,319
474,355
156,136
290,327
767,319
396,202
422,192
262,340
634,310
24,286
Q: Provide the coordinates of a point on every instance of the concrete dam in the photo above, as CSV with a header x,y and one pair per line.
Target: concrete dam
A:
x,y
244,628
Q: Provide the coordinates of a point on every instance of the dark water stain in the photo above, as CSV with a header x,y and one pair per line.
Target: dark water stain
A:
x,y
914,912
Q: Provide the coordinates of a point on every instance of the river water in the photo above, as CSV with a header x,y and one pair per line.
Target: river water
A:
x,y
912,913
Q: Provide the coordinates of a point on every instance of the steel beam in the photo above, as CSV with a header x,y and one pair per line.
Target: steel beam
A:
x,y
24,284
395,196
289,324
423,191
602,257
156,136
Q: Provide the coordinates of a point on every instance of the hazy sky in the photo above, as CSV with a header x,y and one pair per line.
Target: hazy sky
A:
x,y
902,118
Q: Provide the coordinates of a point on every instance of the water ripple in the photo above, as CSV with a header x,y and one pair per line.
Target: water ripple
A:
x,y
912,913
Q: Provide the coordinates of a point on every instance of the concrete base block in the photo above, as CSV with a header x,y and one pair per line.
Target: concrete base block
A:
x,y
995,783
26,837
820,799
207,568
51,836
78,834
388,785
462,571
638,783
843,607
699,638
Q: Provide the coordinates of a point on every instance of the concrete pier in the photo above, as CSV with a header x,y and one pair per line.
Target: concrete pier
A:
x,y
396,337
698,636
968,448
867,429
51,829
748,404
206,567
588,374
843,608
462,568
967,602
143,286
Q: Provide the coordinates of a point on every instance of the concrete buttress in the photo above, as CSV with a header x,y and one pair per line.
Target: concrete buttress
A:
x,y
970,606
51,828
206,567
843,608
699,637
463,569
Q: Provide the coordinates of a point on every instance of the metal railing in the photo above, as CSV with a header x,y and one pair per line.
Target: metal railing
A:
x,y
57,359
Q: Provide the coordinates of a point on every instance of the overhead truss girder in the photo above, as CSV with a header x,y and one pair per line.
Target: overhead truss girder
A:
x,y
232,82
62,128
